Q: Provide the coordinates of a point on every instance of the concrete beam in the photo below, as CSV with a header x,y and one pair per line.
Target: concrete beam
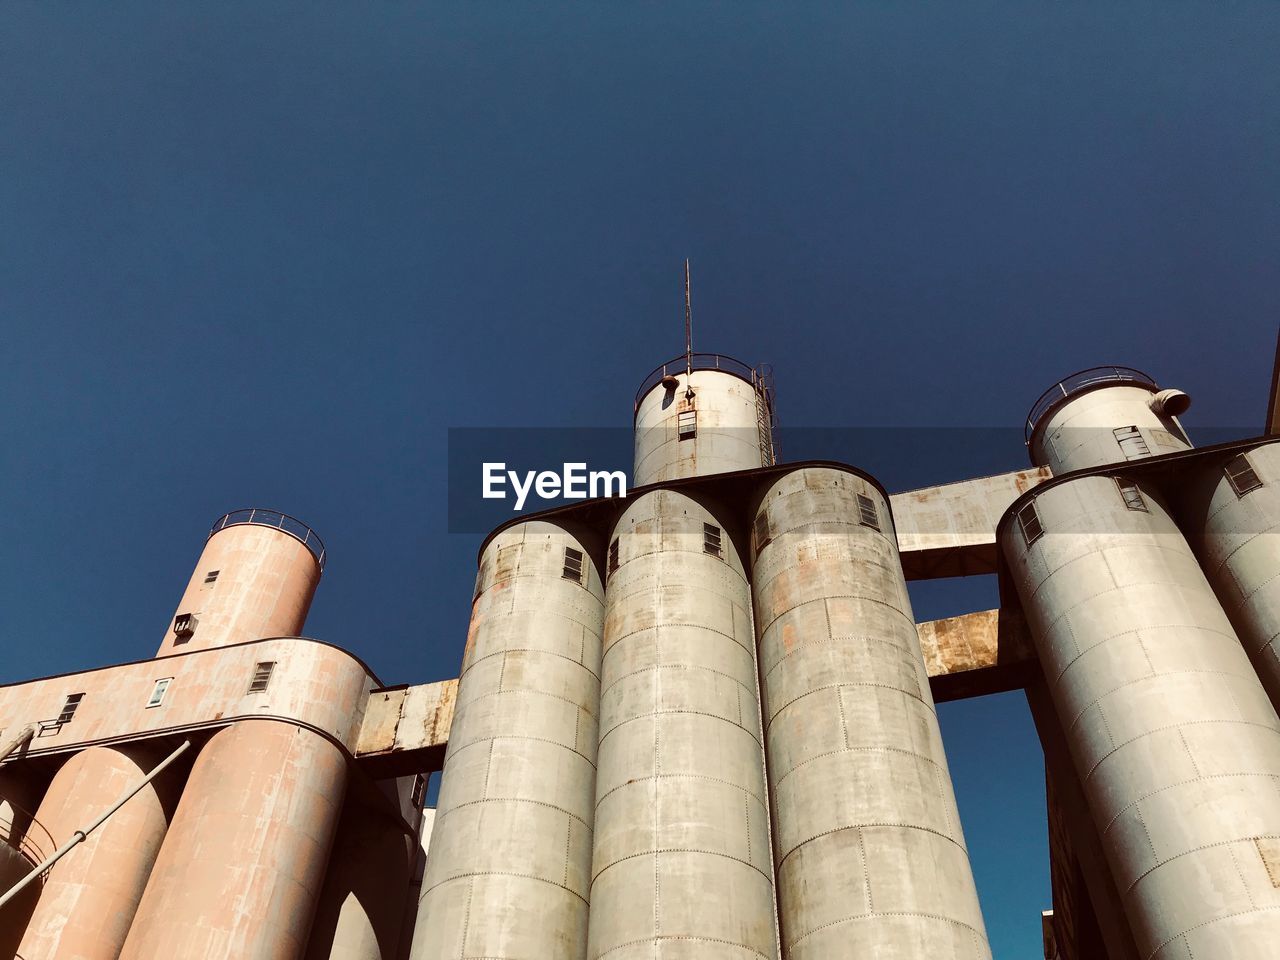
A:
x,y
406,729
950,530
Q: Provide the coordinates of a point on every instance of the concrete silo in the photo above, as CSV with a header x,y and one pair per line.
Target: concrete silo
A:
x,y
871,859
1173,739
509,871
682,866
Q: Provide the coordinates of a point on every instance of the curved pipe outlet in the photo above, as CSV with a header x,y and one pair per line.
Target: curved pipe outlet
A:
x,y
1170,403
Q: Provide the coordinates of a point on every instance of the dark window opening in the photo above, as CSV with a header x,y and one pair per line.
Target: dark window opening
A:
x,y
262,676
687,424
613,556
1029,521
761,532
572,565
1241,475
211,576
711,542
1131,495
867,513
184,625
69,708
419,793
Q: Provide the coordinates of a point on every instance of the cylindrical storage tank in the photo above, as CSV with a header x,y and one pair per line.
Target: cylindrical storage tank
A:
x,y
24,844
91,894
362,905
508,875
255,579
242,866
871,857
1104,415
1175,743
682,866
1236,513
716,420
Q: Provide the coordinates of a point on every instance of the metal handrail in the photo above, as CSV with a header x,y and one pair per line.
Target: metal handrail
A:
x,y
1078,383
33,841
698,361
260,516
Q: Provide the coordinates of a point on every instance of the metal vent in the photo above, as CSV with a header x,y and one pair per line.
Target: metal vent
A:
x,y
69,708
867,513
1029,521
1241,475
613,556
211,576
158,692
711,542
262,676
1132,443
1131,495
184,625
572,565
687,424
760,532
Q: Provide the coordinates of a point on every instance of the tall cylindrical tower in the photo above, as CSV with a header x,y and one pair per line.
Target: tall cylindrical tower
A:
x,y
1236,512
871,857
90,896
24,843
717,419
1104,415
255,578
509,870
681,867
1170,732
242,866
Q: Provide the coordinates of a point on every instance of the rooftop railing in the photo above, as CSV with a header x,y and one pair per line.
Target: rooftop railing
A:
x,y
280,521
1078,383
700,361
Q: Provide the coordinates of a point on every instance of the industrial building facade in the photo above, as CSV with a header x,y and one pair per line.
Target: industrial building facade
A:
x,y
697,722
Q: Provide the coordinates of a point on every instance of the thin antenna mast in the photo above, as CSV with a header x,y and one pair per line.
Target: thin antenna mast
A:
x,y
688,334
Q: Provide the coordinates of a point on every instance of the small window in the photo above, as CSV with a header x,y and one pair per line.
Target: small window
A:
x,y
711,540
1029,521
1132,443
262,676
69,708
1131,495
157,692
1242,476
419,793
211,576
867,514
761,532
687,424
613,556
572,565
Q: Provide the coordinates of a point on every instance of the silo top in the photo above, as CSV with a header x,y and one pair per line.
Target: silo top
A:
x,y
262,517
1068,388
699,361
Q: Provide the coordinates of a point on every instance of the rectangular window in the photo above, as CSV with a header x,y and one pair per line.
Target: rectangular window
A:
x,y
711,540
761,532
1131,495
687,424
69,708
867,514
211,576
262,676
1132,443
613,556
572,565
157,692
419,793
1242,476
1029,521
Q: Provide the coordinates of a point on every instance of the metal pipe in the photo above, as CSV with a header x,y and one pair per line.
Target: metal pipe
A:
x,y
17,743
81,835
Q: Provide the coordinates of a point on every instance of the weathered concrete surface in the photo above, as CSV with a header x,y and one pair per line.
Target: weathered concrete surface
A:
x,y
241,869
871,856
950,530
312,682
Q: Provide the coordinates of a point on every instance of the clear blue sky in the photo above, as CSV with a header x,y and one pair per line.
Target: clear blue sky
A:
x,y
268,253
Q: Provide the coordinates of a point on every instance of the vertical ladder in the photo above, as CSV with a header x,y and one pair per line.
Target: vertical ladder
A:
x,y
762,381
